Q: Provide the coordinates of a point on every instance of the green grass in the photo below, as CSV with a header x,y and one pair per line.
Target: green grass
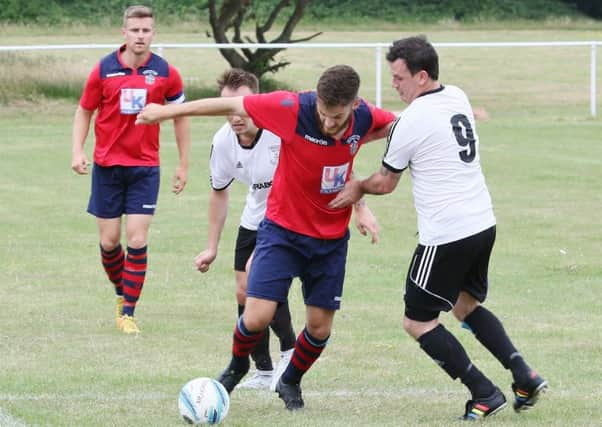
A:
x,y
63,364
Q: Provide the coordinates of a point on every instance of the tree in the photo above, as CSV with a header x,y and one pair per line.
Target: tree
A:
x,y
231,16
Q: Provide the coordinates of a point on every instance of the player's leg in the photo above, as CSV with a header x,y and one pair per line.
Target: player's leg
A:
x,y
140,203
262,377
112,256
245,244
111,252
275,263
309,346
432,285
107,205
322,284
489,330
248,332
282,326
135,265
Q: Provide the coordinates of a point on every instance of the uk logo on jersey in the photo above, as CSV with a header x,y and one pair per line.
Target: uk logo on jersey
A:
x,y
132,101
333,178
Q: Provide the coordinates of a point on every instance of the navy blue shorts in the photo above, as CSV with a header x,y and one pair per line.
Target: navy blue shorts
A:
x,y
281,255
118,190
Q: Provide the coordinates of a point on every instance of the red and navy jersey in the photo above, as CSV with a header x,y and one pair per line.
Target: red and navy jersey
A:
x,y
119,93
312,167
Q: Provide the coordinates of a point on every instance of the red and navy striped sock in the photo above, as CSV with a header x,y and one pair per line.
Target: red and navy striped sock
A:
x,y
307,350
134,270
112,261
243,343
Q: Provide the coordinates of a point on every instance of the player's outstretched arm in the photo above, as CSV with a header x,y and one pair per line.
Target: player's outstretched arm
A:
x,y
227,106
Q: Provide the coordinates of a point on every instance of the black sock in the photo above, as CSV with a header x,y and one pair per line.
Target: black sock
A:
x,y
448,353
261,353
283,327
478,384
490,332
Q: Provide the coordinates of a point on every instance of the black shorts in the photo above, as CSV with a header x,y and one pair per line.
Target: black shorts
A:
x,y
437,274
245,244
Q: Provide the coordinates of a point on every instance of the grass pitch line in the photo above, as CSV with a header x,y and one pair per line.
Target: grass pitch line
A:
x,y
8,421
397,393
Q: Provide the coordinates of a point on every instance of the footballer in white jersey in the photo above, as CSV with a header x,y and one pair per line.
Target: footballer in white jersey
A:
x,y
435,137
252,165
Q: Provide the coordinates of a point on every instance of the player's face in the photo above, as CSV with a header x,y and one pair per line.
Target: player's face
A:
x,y
407,85
240,125
138,34
334,120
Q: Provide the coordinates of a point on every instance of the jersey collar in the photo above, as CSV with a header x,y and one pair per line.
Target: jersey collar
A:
x,y
428,92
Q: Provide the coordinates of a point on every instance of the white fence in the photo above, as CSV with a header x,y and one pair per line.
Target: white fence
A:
x,y
378,51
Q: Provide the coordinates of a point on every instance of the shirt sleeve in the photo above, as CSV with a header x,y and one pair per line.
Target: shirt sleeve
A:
x,y
92,93
175,89
274,111
219,164
400,147
380,117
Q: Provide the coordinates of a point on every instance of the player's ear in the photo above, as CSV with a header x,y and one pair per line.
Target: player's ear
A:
x,y
423,77
356,103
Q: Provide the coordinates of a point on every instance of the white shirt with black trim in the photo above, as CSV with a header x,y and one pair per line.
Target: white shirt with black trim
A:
x,y
253,166
435,137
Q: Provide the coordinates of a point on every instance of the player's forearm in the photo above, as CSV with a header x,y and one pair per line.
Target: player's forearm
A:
x,y
81,126
206,107
381,182
218,212
183,142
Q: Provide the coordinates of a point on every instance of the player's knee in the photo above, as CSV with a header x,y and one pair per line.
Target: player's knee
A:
x,y
416,328
137,242
465,305
409,326
108,244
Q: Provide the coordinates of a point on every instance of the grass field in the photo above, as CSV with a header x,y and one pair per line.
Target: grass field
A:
x,y
62,363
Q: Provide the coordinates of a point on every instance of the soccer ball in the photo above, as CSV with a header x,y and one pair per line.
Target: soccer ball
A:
x,y
203,401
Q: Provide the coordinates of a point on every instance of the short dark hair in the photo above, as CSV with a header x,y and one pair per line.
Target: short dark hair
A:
x,y
338,85
235,78
418,55
137,11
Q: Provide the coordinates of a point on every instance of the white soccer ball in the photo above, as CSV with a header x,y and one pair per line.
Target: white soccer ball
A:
x,y
203,401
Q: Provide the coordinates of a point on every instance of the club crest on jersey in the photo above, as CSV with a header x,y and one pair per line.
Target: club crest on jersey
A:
x,y
354,143
149,76
333,178
274,154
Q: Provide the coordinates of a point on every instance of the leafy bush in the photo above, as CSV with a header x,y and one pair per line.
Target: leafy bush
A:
x,y
69,11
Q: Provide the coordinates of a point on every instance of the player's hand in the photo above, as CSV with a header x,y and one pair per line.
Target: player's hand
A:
x,y
366,222
349,195
180,179
80,163
151,113
203,260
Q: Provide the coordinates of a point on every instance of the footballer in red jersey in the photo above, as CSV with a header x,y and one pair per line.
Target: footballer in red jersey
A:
x,y
301,236
125,176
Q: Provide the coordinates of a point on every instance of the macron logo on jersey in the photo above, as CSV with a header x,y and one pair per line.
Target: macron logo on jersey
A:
x,y
315,140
